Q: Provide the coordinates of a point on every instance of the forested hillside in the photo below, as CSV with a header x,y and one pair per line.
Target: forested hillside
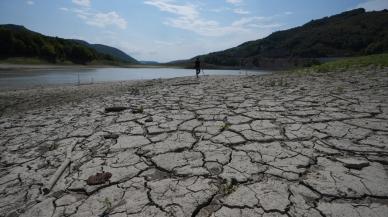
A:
x,y
17,41
111,51
351,33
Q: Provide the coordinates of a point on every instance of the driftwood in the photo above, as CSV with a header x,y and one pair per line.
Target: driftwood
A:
x,y
115,109
60,170
184,84
111,136
200,139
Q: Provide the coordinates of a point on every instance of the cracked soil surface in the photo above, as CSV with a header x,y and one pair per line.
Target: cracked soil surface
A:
x,y
273,145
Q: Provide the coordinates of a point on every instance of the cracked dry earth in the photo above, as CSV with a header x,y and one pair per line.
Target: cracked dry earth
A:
x,y
274,145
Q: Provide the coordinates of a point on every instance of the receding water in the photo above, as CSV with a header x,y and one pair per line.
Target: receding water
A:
x,y
49,77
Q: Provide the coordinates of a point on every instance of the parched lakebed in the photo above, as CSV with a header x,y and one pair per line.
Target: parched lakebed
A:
x,y
271,145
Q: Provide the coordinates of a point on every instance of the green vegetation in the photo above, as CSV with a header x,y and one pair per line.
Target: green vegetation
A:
x,y
225,126
340,89
24,60
106,203
377,60
19,44
228,188
352,33
110,51
139,110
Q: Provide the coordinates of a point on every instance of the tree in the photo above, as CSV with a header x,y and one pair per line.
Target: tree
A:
x,y
81,54
6,39
19,48
48,52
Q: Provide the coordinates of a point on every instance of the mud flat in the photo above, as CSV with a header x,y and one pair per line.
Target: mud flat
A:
x,y
273,145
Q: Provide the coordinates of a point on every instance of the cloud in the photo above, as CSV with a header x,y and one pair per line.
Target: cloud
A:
x,y
256,22
219,10
241,11
235,2
187,10
167,43
30,2
247,20
100,19
85,3
374,5
104,19
213,35
203,27
96,18
189,18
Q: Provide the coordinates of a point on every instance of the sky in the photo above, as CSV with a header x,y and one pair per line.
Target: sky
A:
x,y
166,30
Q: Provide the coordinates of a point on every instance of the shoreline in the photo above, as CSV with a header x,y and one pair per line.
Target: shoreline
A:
x,y
9,66
54,95
25,77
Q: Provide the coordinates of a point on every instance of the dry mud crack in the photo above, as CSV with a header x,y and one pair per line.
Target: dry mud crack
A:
x,y
274,145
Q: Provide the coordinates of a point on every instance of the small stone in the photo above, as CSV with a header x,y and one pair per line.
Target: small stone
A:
x,y
99,178
150,119
214,168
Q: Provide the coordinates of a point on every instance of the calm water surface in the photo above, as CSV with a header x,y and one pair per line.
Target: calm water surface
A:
x,y
31,78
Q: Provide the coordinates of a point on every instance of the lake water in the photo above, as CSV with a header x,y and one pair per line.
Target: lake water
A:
x,y
31,78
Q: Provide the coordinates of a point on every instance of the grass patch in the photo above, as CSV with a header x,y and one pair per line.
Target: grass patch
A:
x,y
227,188
340,89
225,126
139,110
106,203
24,60
345,64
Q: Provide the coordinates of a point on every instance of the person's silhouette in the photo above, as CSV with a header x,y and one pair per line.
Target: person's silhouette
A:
x,y
197,66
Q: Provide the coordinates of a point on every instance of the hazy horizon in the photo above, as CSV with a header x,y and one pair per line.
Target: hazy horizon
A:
x,y
167,30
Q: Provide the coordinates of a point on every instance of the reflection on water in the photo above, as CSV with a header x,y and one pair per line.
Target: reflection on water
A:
x,y
31,78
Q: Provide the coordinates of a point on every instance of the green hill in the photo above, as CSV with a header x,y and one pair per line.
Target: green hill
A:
x,y
118,54
18,41
112,51
352,33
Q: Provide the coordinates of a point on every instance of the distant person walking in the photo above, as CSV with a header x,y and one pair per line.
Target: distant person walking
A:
x,y
197,67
